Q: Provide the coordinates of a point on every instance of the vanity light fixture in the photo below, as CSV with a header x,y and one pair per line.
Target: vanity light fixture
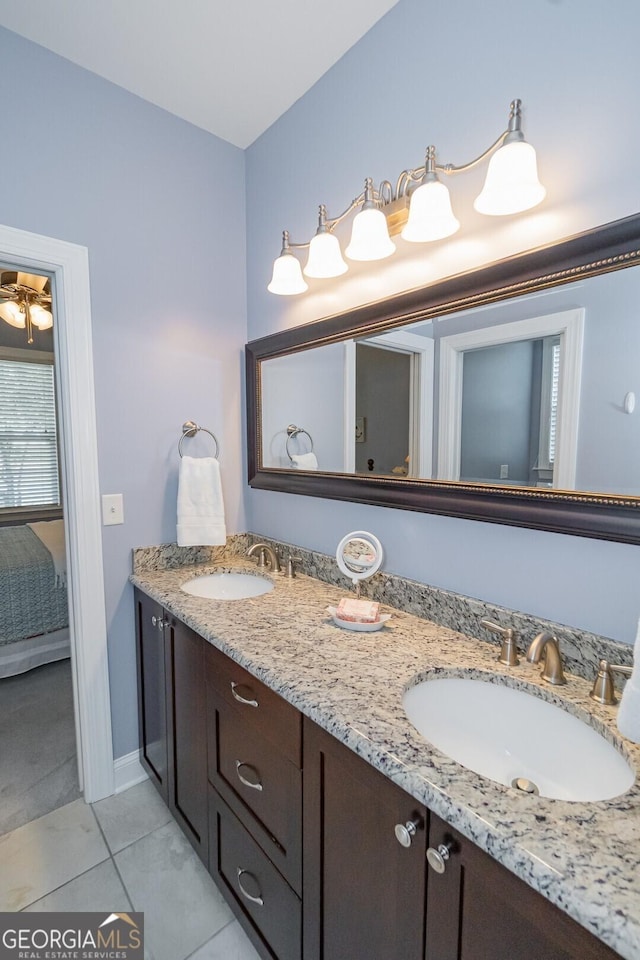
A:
x,y
419,208
25,301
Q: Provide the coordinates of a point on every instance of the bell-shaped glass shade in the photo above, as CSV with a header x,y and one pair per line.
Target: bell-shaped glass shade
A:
x,y
40,317
512,183
325,257
12,313
430,214
370,238
287,276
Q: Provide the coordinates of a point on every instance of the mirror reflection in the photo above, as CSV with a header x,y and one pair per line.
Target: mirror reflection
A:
x,y
530,392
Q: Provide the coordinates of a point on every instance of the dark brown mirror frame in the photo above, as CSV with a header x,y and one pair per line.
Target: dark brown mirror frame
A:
x,y
611,247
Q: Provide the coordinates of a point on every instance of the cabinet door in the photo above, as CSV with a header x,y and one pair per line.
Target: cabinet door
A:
x,y
188,733
152,696
363,892
476,909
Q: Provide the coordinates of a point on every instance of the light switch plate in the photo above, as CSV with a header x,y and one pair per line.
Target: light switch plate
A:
x,y
112,509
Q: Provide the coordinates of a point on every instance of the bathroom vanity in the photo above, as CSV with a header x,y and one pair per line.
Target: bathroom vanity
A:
x,y
280,745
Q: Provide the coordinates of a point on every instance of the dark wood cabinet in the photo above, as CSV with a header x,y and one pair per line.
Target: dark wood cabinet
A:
x,y
268,908
172,716
364,891
187,729
255,805
478,910
255,757
152,692
300,835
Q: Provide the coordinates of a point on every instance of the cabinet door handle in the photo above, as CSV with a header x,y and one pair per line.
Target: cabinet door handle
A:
x,y
245,893
254,786
241,699
159,622
437,857
405,832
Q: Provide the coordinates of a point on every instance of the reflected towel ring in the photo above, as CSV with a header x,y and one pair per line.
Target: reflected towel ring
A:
x,y
189,429
293,431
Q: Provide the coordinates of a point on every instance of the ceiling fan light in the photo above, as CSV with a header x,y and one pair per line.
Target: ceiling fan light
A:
x,y
12,314
512,184
325,257
370,238
41,318
287,278
430,214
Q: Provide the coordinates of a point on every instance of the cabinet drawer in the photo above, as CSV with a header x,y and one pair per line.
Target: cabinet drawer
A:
x,y
251,883
265,710
259,783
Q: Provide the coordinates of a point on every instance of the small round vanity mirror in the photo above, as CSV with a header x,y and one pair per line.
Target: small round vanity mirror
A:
x,y
359,555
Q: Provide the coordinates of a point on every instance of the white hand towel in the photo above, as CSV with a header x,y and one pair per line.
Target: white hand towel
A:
x,y
629,709
51,534
200,504
305,461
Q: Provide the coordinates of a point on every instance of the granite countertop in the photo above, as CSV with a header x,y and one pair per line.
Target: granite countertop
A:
x,y
582,856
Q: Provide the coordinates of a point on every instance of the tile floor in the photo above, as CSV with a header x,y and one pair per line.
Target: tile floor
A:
x,y
123,853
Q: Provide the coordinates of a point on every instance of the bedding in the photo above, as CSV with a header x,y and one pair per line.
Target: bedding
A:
x,y
33,598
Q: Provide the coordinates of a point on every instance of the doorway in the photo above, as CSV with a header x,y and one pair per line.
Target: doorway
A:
x,y
68,267
38,755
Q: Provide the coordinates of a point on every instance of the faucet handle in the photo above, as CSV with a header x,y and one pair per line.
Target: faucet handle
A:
x,y
262,557
603,689
509,650
291,570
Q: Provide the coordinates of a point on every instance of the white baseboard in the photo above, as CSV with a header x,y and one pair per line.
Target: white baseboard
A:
x,y
127,771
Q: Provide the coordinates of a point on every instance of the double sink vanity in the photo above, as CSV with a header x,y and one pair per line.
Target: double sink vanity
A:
x,y
299,760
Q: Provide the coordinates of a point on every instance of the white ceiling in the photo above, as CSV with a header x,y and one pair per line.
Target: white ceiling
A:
x,y
231,68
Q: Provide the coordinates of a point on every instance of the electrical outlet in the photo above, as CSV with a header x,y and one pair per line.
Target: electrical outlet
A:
x,y
504,471
112,509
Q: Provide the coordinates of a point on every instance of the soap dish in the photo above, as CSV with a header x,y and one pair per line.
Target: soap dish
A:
x,y
360,627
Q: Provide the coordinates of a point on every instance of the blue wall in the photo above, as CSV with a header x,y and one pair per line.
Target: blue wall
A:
x,y
160,206
425,75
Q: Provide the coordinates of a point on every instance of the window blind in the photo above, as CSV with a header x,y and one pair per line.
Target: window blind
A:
x,y
555,395
28,436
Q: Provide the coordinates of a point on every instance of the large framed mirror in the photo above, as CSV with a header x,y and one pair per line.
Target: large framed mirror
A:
x,y
505,394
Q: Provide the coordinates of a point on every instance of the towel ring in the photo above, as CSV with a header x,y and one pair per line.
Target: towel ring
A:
x,y
293,431
189,429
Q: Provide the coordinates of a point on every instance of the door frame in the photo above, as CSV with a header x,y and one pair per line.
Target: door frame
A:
x,y
68,266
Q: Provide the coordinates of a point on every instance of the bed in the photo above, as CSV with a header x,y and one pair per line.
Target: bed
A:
x,y
34,618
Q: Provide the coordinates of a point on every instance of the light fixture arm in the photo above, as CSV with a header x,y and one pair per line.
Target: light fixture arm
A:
x,y
512,134
288,245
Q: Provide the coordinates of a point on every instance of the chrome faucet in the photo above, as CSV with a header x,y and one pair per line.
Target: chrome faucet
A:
x,y
509,651
546,644
267,552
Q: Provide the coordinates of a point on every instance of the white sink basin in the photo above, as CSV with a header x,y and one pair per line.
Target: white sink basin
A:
x,y
507,735
227,586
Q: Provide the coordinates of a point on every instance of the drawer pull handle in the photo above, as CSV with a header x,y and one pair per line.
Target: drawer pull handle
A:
x,y
245,893
254,786
240,699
